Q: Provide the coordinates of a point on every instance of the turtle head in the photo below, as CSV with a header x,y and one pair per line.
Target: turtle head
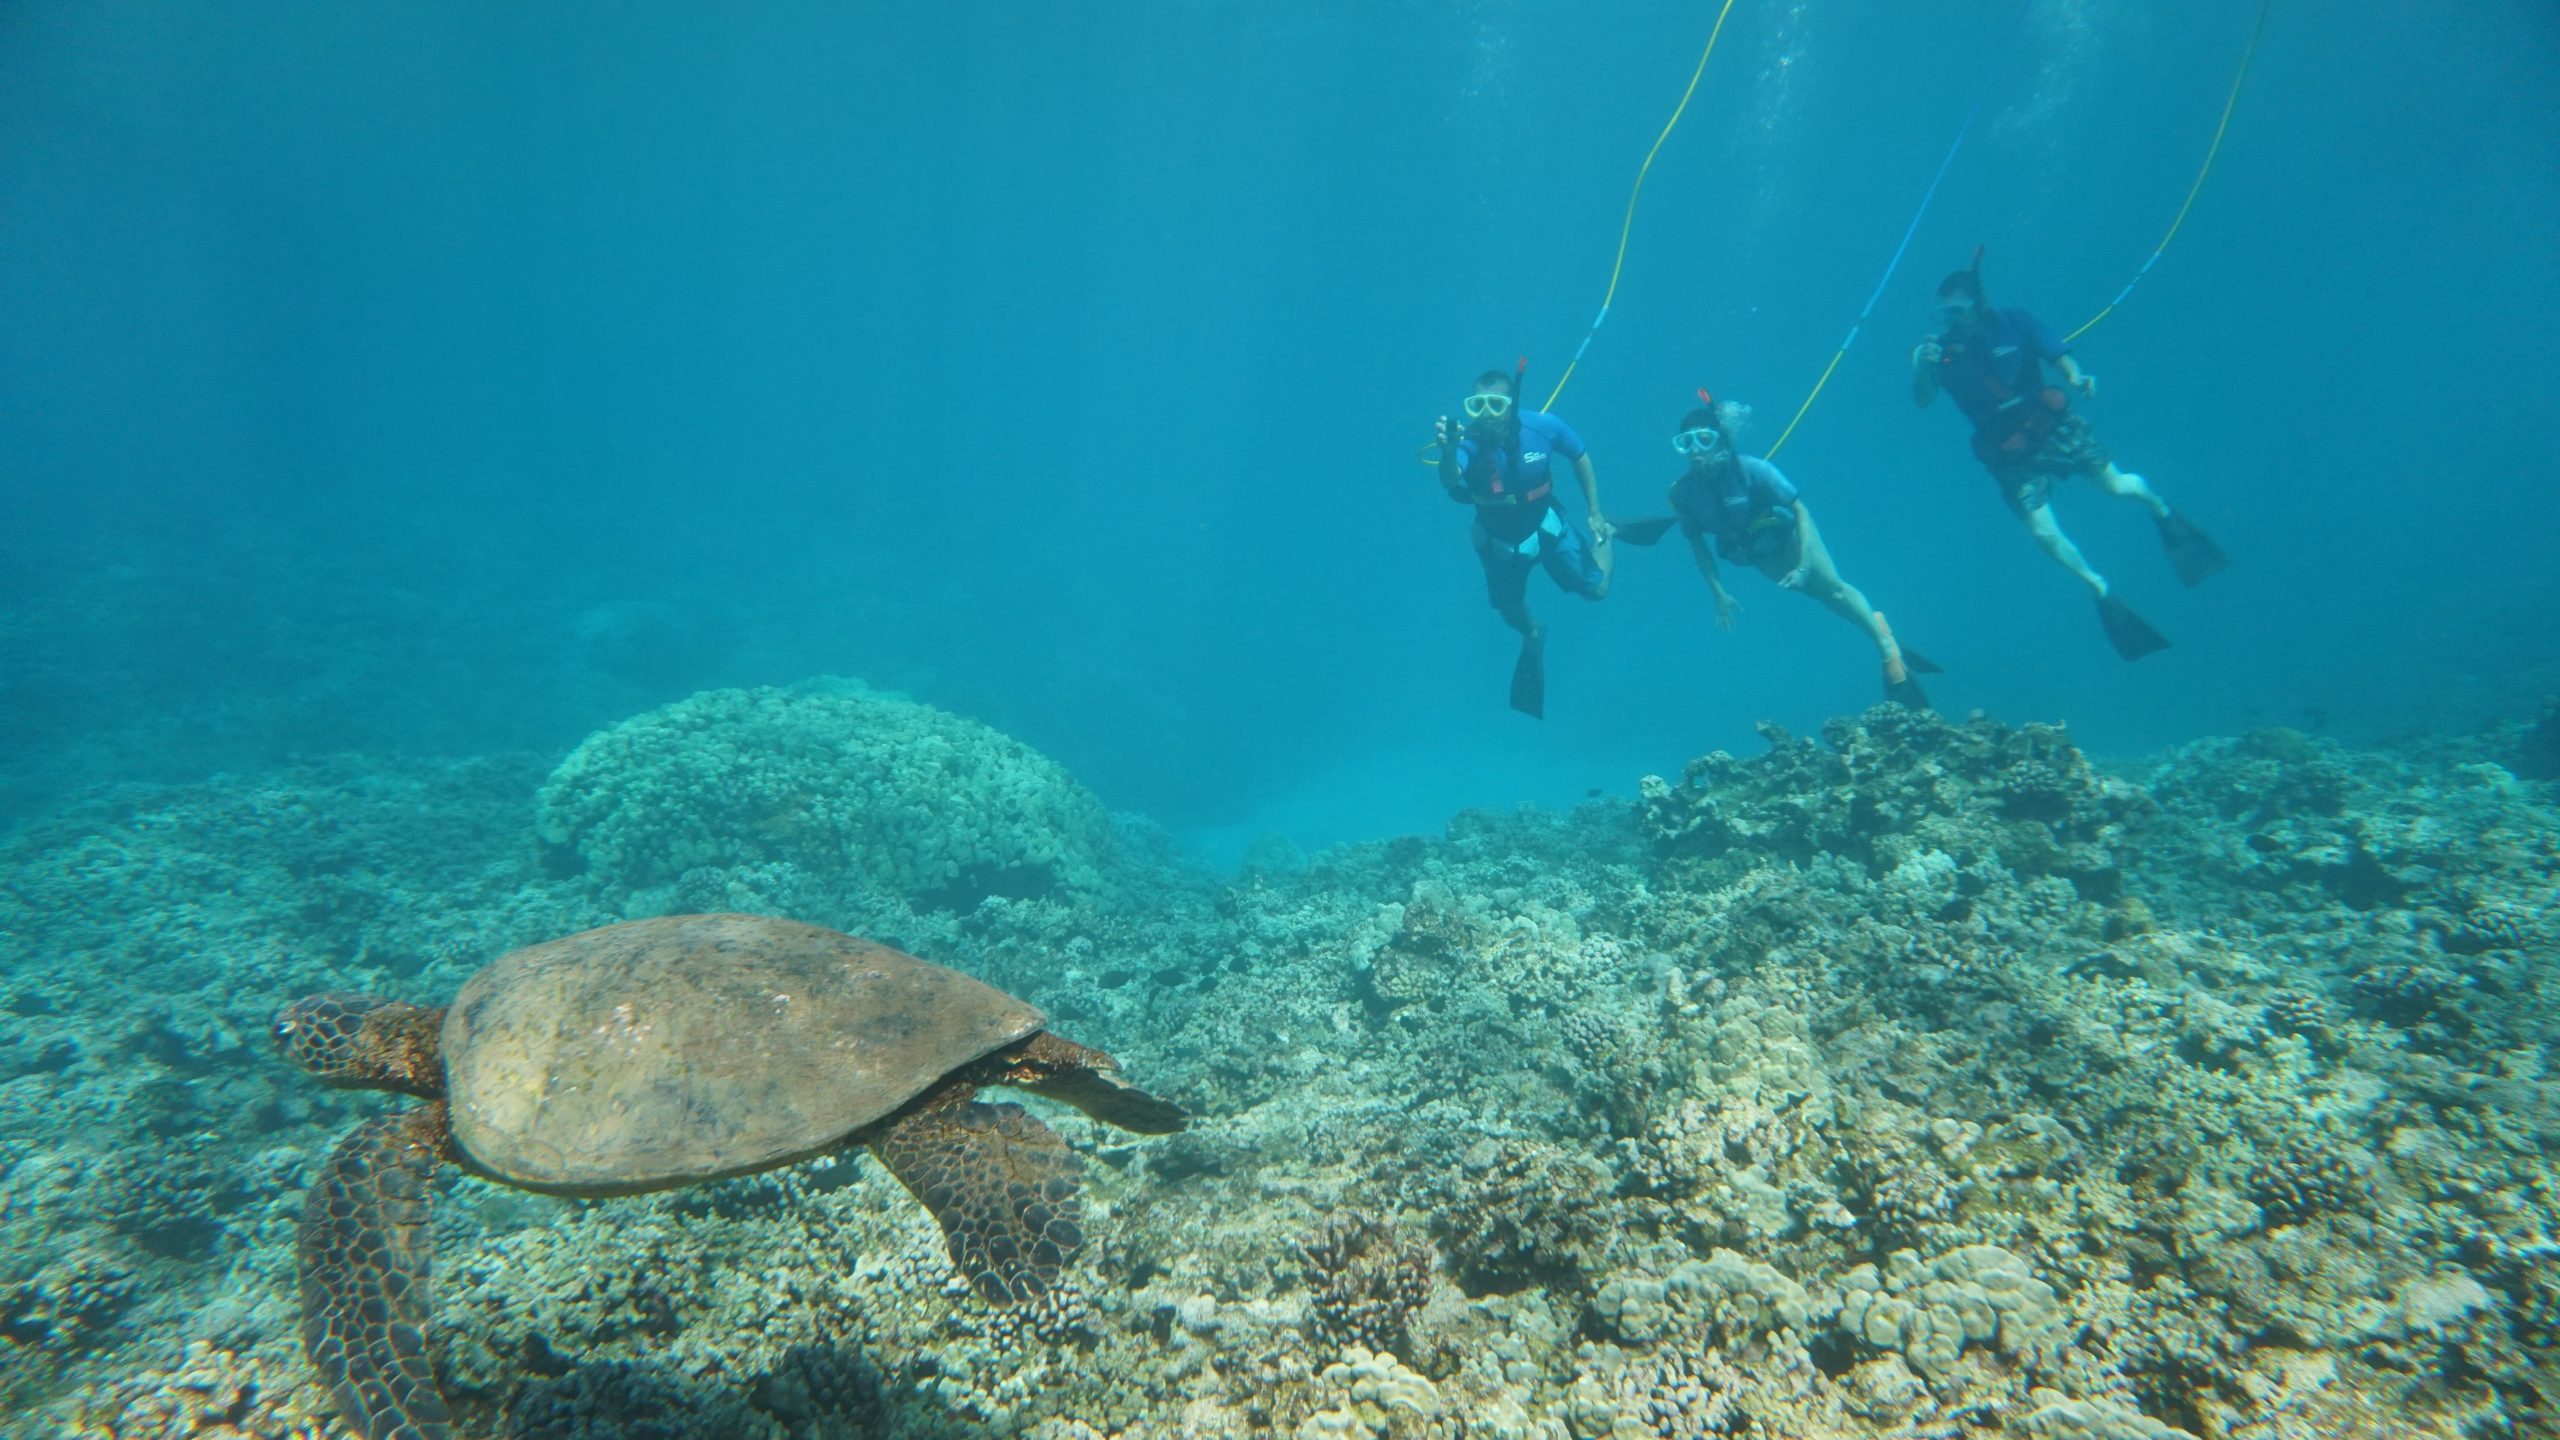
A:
x,y
1084,1077
360,1042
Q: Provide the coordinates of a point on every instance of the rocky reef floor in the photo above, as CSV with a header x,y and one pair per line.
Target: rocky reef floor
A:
x,y
1917,1081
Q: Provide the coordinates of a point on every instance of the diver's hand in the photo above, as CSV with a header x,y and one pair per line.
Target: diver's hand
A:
x,y
1927,353
1793,579
2086,384
1450,433
1728,610
1602,530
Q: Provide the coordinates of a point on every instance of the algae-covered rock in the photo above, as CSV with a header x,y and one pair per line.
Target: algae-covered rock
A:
x,y
851,786
2061,1419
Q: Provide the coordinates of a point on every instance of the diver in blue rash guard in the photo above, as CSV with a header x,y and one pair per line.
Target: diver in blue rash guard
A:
x,y
1743,508
1500,460
1992,362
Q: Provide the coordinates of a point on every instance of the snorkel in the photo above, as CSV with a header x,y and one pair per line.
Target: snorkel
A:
x,y
1519,403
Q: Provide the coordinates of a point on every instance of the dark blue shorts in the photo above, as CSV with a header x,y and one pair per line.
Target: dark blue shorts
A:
x,y
1556,544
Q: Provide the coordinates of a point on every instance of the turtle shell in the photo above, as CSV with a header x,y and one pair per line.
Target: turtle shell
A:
x,y
664,1052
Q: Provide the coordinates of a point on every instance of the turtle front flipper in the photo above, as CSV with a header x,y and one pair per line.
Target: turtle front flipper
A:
x,y
1001,1184
364,1252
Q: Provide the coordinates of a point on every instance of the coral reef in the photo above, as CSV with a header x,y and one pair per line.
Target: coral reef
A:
x,y
70,1304
1924,1080
210,1394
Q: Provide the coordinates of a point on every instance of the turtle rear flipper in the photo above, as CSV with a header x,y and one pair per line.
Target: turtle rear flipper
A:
x,y
364,1252
1001,1184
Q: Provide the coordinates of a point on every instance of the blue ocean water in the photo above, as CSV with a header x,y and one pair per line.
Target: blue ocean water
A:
x,y
462,378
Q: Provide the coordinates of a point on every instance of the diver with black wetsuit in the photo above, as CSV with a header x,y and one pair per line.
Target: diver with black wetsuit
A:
x,y
1499,459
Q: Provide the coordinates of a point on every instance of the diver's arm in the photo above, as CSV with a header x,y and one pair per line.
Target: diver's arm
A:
x,y
1601,529
1728,609
1924,370
2075,377
1453,479
1705,555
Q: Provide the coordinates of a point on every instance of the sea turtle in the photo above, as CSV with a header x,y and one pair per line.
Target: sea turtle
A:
x,y
666,1052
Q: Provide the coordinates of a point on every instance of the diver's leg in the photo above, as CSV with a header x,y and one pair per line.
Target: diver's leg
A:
x,y
2132,487
1569,562
2048,534
2192,553
1506,583
1822,581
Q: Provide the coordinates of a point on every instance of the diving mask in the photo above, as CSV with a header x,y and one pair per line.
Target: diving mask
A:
x,y
1701,440
1488,406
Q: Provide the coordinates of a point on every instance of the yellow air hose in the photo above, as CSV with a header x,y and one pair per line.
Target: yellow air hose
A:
x,y
2229,103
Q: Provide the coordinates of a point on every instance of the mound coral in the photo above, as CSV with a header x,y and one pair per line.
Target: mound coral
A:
x,y
1929,1312
853,788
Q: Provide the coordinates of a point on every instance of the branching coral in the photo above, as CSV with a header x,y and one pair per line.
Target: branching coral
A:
x,y
1365,1281
1522,1216
2303,1177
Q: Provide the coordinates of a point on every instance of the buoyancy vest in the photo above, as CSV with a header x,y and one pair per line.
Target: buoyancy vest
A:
x,y
1736,513
1494,478
2020,418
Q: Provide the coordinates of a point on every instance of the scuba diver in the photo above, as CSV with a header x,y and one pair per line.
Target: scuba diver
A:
x,y
1743,508
1992,362
1498,459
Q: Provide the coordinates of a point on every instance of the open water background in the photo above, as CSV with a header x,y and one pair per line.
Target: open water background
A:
x,y
463,377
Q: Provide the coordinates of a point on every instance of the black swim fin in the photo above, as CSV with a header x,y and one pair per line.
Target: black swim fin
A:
x,y
1907,691
1647,530
2192,552
1529,679
2132,635
1919,664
